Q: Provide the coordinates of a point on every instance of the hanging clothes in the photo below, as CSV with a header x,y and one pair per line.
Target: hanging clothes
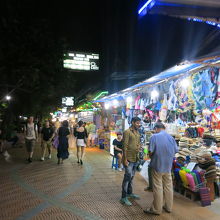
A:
x,y
172,102
137,106
163,111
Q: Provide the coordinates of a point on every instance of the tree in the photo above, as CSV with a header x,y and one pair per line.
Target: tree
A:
x,y
31,64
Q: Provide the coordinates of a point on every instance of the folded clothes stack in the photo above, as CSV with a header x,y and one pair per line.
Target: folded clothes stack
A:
x,y
217,138
183,142
218,171
208,135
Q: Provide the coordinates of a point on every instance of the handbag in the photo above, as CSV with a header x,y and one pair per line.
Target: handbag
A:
x,y
56,142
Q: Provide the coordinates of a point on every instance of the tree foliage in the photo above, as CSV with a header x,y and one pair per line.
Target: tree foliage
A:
x,y
31,64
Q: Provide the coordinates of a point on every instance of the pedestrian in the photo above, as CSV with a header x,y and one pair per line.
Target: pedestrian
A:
x,y
30,135
131,146
13,137
162,151
62,150
47,134
3,145
118,151
81,136
92,134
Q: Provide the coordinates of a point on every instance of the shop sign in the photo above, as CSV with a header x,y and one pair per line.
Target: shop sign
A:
x,y
81,61
68,101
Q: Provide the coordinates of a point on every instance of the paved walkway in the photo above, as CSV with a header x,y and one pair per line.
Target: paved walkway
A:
x,y
47,191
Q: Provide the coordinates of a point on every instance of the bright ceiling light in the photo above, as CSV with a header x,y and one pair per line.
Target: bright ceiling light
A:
x,y
8,97
129,99
154,94
185,83
107,105
115,102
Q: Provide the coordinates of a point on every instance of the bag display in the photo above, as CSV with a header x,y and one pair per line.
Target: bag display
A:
x,y
191,181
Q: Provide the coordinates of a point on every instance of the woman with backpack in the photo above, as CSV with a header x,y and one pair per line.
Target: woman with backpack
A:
x,y
81,135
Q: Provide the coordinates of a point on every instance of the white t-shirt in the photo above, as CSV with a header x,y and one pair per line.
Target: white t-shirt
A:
x,y
30,131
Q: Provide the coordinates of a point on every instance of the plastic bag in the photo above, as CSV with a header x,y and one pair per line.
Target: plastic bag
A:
x,y
144,171
56,142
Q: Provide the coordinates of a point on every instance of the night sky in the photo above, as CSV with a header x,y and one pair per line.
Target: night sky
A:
x,y
125,42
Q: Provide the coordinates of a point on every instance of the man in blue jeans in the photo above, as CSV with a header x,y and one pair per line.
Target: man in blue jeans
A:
x,y
131,147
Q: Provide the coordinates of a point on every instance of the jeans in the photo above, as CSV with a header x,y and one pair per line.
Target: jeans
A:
x,y
128,178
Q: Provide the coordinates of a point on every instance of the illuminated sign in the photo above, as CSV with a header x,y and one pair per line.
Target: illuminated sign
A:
x,y
68,101
81,61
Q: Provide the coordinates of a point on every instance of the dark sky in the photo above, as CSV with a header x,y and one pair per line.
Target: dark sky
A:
x,y
125,42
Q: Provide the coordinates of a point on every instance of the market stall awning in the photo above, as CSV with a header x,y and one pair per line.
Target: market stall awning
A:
x,y
203,10
176,71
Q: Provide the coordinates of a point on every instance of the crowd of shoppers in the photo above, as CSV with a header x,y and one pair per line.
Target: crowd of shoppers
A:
x,y
162,149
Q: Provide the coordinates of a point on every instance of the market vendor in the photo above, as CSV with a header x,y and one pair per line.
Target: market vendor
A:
x,y
118,152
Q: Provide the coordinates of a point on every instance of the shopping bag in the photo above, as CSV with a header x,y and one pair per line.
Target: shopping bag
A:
x,y
144,171
56,142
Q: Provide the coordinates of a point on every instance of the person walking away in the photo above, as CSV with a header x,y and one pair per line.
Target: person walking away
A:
x,y
118,152
131,146
81,135
31,135
3,148
92,135
47,133
162,151
62,150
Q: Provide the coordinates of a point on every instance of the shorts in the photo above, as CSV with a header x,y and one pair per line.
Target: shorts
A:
x,y
30,144
116,153
46,144
92,136
80,143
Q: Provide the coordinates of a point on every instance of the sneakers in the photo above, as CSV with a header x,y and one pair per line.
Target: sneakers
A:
x,y
42,159
49,157
125,201
29,160
6,154
120,169
133,196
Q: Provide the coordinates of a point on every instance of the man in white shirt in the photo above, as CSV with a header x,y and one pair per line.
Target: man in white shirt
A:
x,y
92,134
31,135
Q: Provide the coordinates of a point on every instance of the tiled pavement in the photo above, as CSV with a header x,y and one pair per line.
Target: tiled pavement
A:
x,y
47,191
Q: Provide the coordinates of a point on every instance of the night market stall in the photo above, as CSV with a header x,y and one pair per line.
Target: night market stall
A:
x,y
186,98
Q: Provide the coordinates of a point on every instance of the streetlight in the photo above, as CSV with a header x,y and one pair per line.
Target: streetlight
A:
x,y
8,97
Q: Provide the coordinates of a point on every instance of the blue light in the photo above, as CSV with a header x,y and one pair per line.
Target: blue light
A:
x,y
146,5
198,20
207,22
211,23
